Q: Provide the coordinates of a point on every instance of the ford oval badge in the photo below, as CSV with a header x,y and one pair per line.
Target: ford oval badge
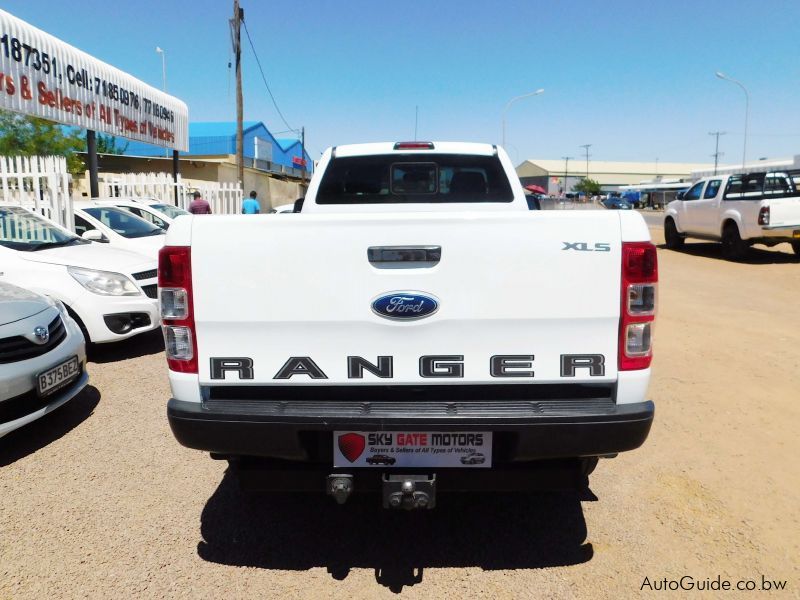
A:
x,y
405,306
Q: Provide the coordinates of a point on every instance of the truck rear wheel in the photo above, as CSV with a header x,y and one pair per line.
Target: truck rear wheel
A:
x,y
733,246
674,240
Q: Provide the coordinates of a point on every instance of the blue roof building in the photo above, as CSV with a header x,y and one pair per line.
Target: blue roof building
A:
x,y
216,138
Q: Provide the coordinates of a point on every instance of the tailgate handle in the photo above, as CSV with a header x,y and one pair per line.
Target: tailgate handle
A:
x,y
404,257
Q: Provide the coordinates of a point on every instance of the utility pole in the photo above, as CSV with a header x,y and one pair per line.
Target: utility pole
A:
x,y
303,149
236,25
566,172
717,153
586,148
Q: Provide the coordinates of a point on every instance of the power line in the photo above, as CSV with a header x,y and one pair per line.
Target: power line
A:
x,y
264,77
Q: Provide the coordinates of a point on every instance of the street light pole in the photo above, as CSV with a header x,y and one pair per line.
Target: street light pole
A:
x,y
163,66
163,54
510,102
746,111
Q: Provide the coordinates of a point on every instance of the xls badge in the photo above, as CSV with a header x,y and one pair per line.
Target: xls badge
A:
x,y
405,306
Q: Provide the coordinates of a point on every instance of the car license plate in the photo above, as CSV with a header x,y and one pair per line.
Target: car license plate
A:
x,y
393,449
49,381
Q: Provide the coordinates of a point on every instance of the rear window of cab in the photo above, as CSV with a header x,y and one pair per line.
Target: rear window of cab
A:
x,y
414,178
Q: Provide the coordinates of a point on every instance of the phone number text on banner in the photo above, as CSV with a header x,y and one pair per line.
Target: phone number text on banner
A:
x,y
44,77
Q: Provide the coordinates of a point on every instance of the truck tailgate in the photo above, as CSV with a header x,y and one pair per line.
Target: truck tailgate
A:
x,y
784,212
272,287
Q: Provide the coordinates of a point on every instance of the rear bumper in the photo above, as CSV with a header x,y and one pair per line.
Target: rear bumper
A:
x,y
28,407
778,234
303,431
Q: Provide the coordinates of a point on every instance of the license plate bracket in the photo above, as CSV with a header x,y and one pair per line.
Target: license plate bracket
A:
x,y
415,449
58,376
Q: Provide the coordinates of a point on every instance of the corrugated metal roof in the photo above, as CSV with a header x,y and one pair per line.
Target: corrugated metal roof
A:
x,y
287,143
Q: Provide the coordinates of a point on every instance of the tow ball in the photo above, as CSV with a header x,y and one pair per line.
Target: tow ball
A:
x,y
409,491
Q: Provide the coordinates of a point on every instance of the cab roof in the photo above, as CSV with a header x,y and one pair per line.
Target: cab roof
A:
x,y
379,148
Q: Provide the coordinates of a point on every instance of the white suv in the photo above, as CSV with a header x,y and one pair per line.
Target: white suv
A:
x,y
42,357
739,210
110,292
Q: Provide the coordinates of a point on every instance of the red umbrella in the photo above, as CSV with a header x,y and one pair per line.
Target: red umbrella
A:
x,y
536,189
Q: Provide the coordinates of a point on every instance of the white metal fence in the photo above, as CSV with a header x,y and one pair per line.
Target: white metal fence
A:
x,y
42,184
224,198
39,183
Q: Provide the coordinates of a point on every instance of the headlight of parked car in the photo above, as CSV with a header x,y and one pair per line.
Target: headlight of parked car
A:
x,y
104,283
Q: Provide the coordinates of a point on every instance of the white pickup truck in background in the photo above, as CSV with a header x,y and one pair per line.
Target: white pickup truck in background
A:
x,y
415,328
739,210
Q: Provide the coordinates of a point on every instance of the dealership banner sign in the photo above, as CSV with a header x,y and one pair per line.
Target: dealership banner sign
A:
x,y
45,77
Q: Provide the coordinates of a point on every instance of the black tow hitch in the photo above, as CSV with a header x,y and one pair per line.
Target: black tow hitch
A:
x,y
409,491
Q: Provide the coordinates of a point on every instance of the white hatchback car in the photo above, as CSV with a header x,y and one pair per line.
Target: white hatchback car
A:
x,y
154,211
118,228
110,292
42,357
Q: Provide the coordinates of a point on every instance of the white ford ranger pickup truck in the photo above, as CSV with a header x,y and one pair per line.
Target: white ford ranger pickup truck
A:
x,y
415,328
738,210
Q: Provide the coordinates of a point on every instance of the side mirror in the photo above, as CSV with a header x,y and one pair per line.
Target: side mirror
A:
x,y
93,235
298,205
679,195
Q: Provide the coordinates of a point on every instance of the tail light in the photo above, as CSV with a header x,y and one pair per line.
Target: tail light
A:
x,y
177,309
413,146
638,306
763,216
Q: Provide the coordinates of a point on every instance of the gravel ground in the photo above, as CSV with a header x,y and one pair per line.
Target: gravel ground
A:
x,y
98,500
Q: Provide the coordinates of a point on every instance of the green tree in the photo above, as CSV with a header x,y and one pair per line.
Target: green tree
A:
x,y
588,186
107,144
21,135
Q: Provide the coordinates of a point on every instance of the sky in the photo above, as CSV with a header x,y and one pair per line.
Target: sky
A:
x,y
634,78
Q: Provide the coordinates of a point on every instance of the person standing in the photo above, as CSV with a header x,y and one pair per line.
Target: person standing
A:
x,y
251,206
198,206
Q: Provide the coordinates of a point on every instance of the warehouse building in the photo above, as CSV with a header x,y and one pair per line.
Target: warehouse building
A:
x,y
214,140
552,175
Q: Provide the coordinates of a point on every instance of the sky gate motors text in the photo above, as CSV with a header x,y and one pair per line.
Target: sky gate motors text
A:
x,y
386,438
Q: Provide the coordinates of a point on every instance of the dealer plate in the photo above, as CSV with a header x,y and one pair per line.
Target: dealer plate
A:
x,y
393,449
49,381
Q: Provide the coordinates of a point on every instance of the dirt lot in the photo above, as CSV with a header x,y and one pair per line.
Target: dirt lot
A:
x,y
98,499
